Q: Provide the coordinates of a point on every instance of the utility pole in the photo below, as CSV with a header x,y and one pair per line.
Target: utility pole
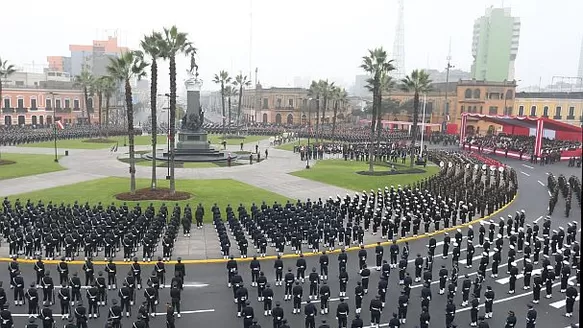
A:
x,y
447,68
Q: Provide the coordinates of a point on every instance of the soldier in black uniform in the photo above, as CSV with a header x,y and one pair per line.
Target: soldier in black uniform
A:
x,y
342,314
267,300
403,304
125,297
101,289
46,315
111,270
489,296
18,283
277,316
160,271
64,296
531,315
310,312
175,297
63,270
241,295
571,296
115,314
92,294
32,298
297,292
324,298
81,315
376,308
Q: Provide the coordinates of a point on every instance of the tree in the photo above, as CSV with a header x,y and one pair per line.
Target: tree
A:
x,y
326,89
387,84
108,87
151,44
314,92
230,92
86,81
174,43
128,66
377,64
241,81
418,83
340,98
223,79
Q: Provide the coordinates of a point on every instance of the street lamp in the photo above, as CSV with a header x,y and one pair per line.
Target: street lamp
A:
x,y
168,137
55,125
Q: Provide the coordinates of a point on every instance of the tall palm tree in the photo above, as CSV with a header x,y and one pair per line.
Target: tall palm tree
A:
x,y
387,84
340,98
314,92
241,81
151,45
418,83
125,68
86,80
377,64
326,88
108,87
223,79
174,43
229,94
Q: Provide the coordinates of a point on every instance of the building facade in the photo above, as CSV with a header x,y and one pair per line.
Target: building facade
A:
x,y
495,45
566,107
40,105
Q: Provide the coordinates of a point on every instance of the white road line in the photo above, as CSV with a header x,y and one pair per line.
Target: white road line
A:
x,y
508,298
105,312
547,173
550,195
335,299
561,303
188,285
540,217
386,325
530,167
541,183
525,173
506,280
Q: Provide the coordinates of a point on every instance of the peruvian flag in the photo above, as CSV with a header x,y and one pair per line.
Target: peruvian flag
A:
x,y
60,125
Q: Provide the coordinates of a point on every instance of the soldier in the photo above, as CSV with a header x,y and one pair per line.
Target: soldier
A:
x,y
64,298
474,312
63,270
342,311
170,320
489,295
324,298
394,252
111,270
289,281
3,298
418,267
310,312
125,297
324,261
362,255
6,320
241,295
357,322
101,289
75,284
343,281
115,314
18,284
510,320
403,303
186,225
364,276
14,270
267,300
342,260
81,315
442,279
513,277
537,286
255,267
314,279
301,268
571,296
46,315
32,298
92,294
297,292
180,269
375,308
379,250
39,268
527,273
31,323
549,281
394,322
261,283
175,296
358,296
248,315
137,273
531,315
89,271
424,318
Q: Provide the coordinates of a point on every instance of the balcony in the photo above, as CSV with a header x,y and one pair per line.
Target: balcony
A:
x,y
33,108
557,117
63,110
7,110
76,108
21,110
570,117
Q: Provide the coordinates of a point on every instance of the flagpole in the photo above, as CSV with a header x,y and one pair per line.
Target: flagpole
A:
x,y
55,126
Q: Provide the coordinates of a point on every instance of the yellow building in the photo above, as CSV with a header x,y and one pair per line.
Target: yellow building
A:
x,y
566,107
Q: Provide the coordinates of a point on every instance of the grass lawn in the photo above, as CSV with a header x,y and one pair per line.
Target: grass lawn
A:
x,y
343,174
26,164
80,144
207,192
303,141
216,139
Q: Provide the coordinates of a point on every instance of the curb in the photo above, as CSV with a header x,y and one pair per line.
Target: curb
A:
x,y
285,256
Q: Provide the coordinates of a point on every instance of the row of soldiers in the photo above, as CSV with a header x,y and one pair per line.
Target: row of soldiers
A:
x,y
97,293
564,249
16,135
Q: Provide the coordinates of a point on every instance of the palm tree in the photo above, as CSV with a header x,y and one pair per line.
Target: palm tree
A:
x,y
151,45
314,92
326,89
108,87
387,84
377,64
241,81
223,79
340,97
86,80
174,43
229,93
128,66
418,83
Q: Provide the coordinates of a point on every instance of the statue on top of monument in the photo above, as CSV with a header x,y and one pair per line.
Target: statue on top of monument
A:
x,y
193,121
193,71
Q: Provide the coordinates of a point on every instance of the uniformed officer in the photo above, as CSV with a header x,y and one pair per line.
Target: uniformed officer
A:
x,y
125,297
277,316
310,312
242,295
248,315
111,270
46,315
64,296
488,305
510,320
314,279
379,250
324,298
297,292
358,296
63,270
571,296
81,315
342,311
267,300
160,271
375,307
531,315
170,320
175,296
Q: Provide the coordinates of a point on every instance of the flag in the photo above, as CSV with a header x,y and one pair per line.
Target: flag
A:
x,y
60,125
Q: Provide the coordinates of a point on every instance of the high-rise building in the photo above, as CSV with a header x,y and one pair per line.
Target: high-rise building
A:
x,y
359,89
580,71
495,45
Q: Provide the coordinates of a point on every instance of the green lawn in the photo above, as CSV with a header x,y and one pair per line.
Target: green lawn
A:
x,y
27,164
343,174
80,144
303,141
207,192
217,139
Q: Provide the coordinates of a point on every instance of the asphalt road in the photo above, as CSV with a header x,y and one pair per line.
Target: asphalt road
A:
x,y
207,300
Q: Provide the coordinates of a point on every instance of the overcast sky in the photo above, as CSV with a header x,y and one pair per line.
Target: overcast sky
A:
x,y
300,38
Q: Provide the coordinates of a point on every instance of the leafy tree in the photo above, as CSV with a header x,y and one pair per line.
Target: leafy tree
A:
x,y
418,83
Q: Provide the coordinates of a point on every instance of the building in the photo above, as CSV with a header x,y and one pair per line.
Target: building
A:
x,y
495,45
38,105
566,107
94,57
32,79
454,75
359,89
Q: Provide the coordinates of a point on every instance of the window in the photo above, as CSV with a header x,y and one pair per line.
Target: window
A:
x,y
20,103
265,103
67,103
305,103
58,103
6,102
494,96
76,104
493,110
508,111
509,94
558,113
290,102
546,111
278,103
571,115
19,83
33,103
481,110
468,94
520,110
48,103
462,108
477,94
533,111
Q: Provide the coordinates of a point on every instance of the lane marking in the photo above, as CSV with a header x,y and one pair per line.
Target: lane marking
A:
x,y
193,285
507,298
525,173
530,167
550,195
335,299
506,280
540,217
561,303
158,314
541,183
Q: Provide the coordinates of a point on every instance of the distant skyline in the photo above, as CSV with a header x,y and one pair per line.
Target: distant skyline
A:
x,y
289,41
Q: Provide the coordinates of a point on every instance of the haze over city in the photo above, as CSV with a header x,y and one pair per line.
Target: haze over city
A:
x,y
309,39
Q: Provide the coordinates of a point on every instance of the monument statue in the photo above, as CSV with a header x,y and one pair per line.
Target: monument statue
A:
x,y
193,121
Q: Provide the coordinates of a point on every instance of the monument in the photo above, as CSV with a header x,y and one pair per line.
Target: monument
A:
x,y
192,144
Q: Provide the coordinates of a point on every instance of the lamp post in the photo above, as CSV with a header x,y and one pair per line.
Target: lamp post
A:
x,y
423,124
54,125
168,137
308,151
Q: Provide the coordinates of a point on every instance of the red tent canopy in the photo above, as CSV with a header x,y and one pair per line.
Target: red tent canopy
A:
x,y
539,123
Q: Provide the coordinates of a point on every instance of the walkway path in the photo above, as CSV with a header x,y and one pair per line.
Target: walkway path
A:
x,y
85,165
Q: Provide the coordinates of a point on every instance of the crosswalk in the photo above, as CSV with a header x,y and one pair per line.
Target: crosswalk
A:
x,y
562,303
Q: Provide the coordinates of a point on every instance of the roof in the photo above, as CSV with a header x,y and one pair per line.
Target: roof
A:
x,y
553,95
526,121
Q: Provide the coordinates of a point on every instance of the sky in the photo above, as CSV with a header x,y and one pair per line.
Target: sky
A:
x,y
284,39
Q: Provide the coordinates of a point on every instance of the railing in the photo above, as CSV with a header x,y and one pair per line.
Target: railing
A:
x,y
7,110
21,110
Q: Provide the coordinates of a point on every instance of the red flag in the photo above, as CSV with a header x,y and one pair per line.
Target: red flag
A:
x,y
60,125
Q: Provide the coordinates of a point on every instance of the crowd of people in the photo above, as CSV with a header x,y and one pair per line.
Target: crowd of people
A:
x,y
13,135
